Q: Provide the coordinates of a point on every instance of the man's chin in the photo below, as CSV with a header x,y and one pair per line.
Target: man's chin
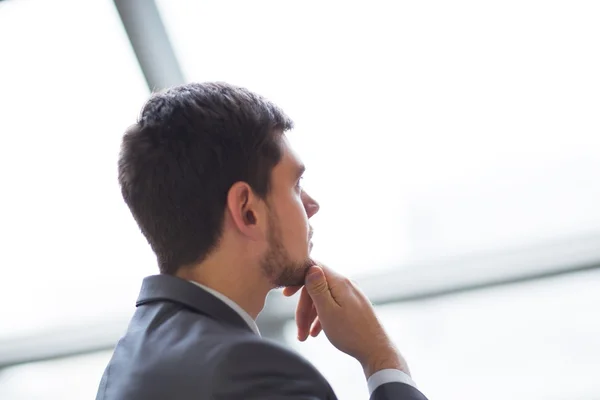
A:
x,y
294,276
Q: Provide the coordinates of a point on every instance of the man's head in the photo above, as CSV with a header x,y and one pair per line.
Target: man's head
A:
x,y
208,168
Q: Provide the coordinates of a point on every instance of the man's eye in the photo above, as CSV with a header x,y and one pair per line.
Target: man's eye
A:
x,y
299,184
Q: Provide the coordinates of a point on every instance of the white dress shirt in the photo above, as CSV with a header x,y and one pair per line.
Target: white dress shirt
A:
x,y
377,379
232,304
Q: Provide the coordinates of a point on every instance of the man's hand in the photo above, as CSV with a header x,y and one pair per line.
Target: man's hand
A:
x,y
306,313
332,302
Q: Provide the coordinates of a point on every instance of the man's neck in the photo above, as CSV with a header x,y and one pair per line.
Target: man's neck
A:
x,y
240,285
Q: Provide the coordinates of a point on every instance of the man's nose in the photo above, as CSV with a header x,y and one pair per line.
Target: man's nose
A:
x,y
311,205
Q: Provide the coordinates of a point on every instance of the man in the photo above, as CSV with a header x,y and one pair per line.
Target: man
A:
x,y
214,186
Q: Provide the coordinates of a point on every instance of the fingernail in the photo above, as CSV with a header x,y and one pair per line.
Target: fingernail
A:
x,y
314,275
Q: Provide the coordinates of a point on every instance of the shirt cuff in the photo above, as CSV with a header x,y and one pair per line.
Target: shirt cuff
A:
x,y
387,376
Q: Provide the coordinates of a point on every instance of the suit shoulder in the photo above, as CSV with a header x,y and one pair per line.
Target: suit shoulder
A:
x,y
258,369
265,353
258,345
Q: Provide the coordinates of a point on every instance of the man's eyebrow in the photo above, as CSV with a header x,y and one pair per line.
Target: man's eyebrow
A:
x,y
300,171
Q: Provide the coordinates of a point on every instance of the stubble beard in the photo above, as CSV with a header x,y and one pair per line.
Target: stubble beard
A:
x,y
277,264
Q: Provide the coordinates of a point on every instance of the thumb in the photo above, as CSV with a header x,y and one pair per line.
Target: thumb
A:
x,y
317,286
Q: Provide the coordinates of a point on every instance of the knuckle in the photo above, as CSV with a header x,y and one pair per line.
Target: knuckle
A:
x,y
321,287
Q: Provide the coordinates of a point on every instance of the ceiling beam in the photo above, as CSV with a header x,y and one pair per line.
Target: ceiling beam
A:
x,y
150,41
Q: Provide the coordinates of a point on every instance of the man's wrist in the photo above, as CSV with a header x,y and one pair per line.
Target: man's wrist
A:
x,y
385,359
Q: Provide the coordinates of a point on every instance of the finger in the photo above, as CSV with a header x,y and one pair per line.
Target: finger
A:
x,y
316,284
316,328
326,288
330,275
312,317
305,314
291,290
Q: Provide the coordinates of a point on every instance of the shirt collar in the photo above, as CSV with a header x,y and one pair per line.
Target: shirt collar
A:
x,y
233,305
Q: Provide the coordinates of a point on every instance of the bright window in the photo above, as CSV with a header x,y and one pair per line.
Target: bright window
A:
x,y
70,378
70,86
429,129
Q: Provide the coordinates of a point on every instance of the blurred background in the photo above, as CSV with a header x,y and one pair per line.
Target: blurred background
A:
x,y
454,147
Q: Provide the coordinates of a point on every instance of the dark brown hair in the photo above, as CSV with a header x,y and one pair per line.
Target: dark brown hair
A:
x,y
178,162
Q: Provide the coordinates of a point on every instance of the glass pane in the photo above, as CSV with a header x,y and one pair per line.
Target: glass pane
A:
x,y
71,378
531,341
429,129
70,87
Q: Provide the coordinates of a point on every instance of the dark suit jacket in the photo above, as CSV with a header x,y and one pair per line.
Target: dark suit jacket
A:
x,y
185,344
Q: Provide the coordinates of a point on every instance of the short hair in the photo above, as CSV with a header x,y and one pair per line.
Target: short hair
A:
x,y
177,163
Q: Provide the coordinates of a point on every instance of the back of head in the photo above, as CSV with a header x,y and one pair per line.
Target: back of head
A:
x,y
177,163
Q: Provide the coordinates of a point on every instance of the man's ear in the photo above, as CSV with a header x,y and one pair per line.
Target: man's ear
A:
x,y
244,207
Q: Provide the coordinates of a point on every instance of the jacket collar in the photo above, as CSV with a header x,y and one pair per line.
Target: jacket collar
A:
x,y
167,288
